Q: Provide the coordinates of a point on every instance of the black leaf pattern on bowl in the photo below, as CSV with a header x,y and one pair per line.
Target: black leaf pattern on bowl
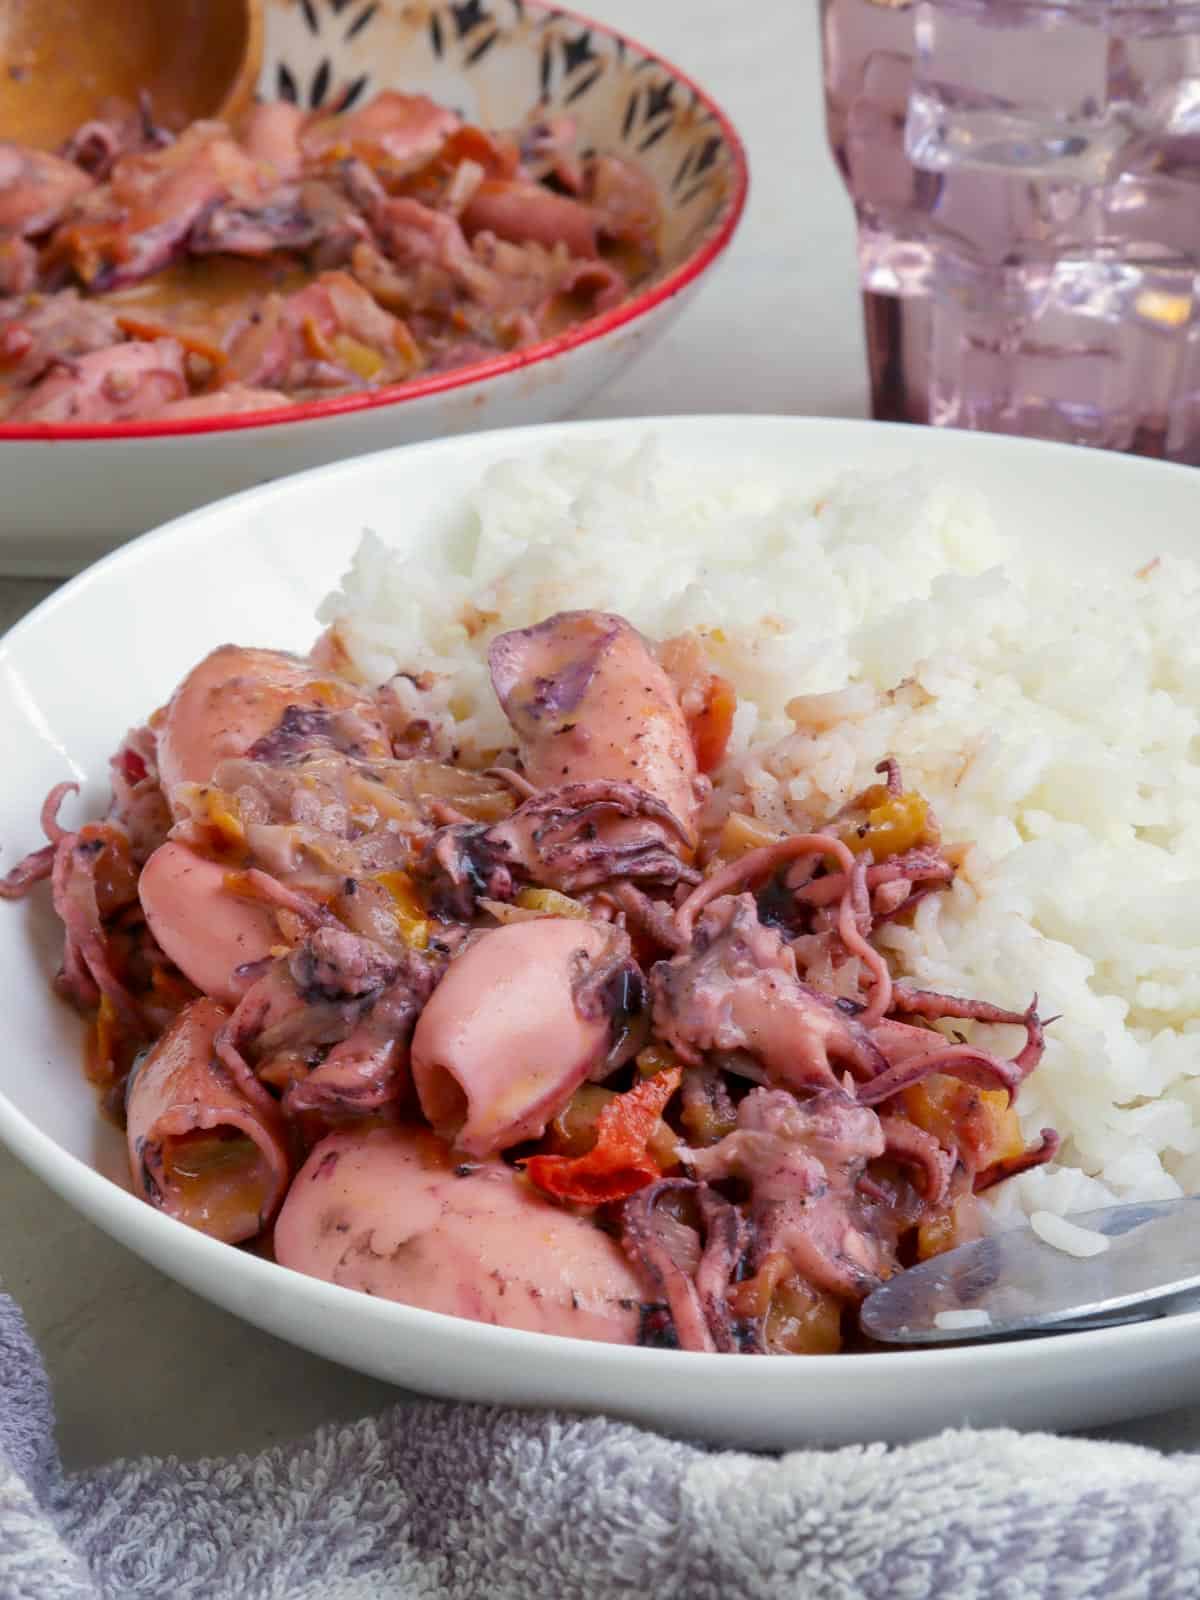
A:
x,y
630,117
571,61
694,193
582,88
468,15
654,136
709,151
353,92
477,52
360,22
685,166
578,52
660,100
319,87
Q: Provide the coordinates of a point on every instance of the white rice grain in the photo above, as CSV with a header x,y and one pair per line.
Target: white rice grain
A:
x,y
1066,1236
959,1321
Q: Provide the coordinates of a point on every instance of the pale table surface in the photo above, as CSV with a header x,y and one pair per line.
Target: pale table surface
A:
x,y
140,1365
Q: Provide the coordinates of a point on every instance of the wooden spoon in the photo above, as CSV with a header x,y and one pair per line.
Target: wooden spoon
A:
x,y
61,59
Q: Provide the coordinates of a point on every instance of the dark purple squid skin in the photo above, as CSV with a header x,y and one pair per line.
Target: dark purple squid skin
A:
x,y
301,730
94,148
727,1244
737,989
591,704
98,145
280,223
614,990
804,1160
307,217
150,251
551,840
693,1292
366,1070
550,697
915,1148
341,1011
732,996
334,965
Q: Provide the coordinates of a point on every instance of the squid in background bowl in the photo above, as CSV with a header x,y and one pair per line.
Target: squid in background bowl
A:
x,y
73,490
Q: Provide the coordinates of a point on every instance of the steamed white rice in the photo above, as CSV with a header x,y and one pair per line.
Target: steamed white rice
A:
x,y
1051,716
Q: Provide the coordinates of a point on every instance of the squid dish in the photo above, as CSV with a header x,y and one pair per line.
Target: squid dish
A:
x,y
148,273
545,1037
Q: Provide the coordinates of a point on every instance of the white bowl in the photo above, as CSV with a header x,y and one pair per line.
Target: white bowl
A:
x,y
95,657
72,491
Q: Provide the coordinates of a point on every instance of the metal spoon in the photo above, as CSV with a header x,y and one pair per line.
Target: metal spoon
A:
x,y
1014,1284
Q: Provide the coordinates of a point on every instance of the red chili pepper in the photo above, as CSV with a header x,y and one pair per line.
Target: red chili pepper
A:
x,y
619,1163
132,766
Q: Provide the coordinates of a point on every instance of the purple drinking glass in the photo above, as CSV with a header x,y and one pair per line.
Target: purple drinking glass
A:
x,y
1026,179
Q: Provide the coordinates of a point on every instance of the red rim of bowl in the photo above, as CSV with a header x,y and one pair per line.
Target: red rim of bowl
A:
x,y
457,378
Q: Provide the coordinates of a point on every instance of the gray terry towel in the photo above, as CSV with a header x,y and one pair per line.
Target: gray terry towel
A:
x,y
443,1502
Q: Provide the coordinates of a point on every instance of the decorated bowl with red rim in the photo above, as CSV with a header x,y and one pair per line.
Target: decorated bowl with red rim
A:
x,y
74,490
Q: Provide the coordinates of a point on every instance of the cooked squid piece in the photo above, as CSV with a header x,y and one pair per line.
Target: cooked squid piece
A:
x,y
395,132
526,213
235,401
36,189
521,1018
736,989
588,701
568,839
726,1154
112,385
198,1149
610,785
207,930
301,254
55,332
239,700
329,1026
802,1160
270,133
392,1212
140,220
